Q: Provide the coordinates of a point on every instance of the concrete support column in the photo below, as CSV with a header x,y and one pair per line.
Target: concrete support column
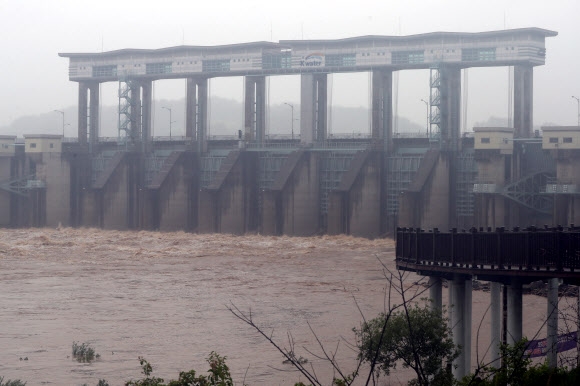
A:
x,y
450,107
382,107
82,113
514,317
495,323
196,124
135,111
313,107
94,113
460,296
255,108
552,325
523,101
436,292
146,111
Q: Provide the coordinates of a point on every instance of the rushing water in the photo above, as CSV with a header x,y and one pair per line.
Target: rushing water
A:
x,y
164,296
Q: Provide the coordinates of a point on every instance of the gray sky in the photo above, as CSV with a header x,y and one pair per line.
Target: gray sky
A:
x,y
35,80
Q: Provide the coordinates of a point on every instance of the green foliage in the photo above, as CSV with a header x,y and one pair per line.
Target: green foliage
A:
x,y
418,337
84,352
517,370
102,382
219,375
15,382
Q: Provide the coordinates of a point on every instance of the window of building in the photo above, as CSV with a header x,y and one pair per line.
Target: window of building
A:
x,y
32,145
340,60
215,65
567,140
408,57
485,140
553,139
104,71
477,54
158,68
52,145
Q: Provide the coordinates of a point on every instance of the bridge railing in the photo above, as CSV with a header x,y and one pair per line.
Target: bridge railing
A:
x,y
532,248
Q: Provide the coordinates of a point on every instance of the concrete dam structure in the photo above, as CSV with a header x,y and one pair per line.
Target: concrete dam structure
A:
x,y
311,182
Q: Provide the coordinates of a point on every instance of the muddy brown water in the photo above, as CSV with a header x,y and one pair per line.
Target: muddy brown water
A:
x,y
164,296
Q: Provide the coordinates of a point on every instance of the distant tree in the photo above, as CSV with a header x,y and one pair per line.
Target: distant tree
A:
x,y
417,336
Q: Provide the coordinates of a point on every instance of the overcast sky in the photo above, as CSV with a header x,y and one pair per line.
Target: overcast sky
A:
x,y
34,79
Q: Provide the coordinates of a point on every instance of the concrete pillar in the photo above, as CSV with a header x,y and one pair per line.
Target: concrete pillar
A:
x,y
514,317
94,113
450,107
552,322
135,111
523,101
313,107
460,296
146,111
436,292
196,124
458,326
495,323
255,108
382,107
82,113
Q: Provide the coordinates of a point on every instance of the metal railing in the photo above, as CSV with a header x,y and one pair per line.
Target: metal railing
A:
x,y
548,249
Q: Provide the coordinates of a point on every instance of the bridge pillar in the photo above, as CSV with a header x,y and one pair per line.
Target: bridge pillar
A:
x,y
135,111
495,295
82,113
88,112
450,107
460,297
514,317
94,113
552,322
436,292
196,111
382,107
255,108
313,114
523,101
146,101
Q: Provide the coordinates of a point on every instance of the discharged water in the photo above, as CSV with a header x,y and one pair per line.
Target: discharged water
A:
x,y
163,296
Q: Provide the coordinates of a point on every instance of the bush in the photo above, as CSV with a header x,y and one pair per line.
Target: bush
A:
x,y
84,352
16,382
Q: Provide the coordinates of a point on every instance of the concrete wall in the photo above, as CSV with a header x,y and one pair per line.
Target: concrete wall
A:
x,y
355,207
173,192
229,204
56,174
299,198
5,196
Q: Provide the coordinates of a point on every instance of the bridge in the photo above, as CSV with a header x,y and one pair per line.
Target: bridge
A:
x,y
511,258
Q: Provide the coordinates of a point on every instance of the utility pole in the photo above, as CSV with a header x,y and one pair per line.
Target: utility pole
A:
x,y
170,121
292,123
427,105
578,102
62,112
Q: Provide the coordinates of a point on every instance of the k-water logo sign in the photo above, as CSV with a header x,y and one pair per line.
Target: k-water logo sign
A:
x,y
315,59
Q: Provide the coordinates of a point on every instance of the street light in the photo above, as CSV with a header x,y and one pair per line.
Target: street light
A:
x,y
62,112
292,123
427,104
170,121
578,102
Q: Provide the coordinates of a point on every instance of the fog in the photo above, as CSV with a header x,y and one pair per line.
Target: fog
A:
x,y
35,80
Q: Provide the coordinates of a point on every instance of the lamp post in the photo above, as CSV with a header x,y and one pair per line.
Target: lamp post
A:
x,y
292,122
170,121
578,102
62,112
427,105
